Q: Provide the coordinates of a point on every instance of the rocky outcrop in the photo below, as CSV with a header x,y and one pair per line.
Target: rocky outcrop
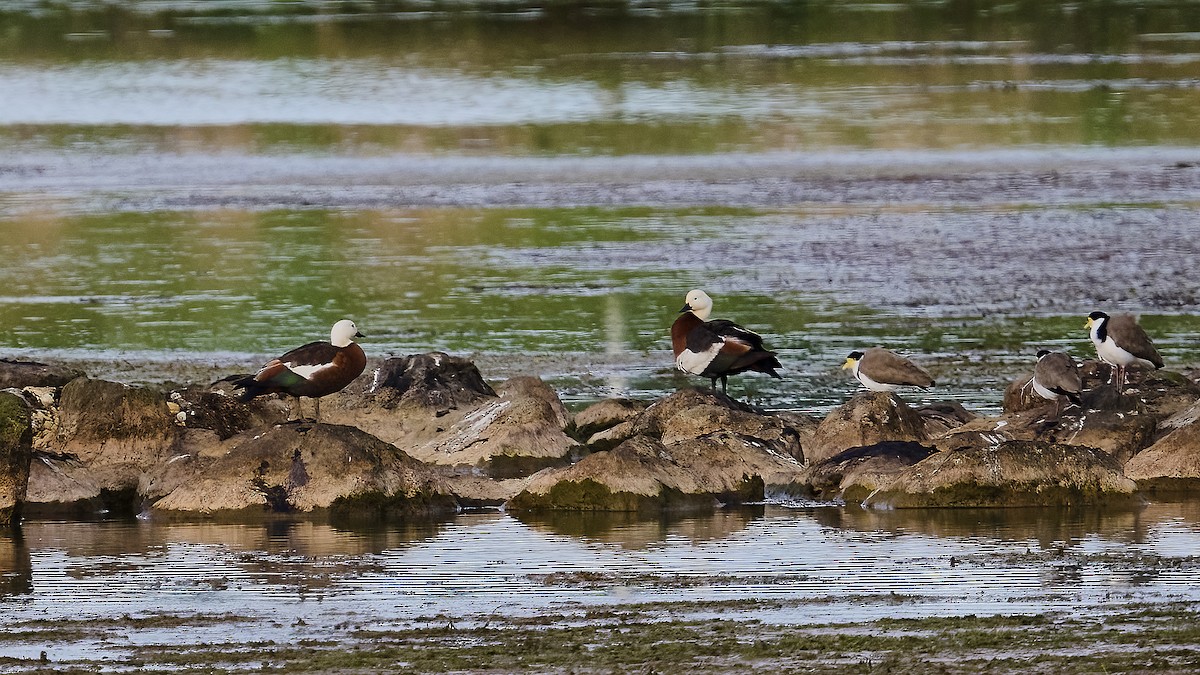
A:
x,y
600,417
1172,464
438,409
692,449
16,450
303,468
1013,473
110,438
868,418
21,374
853,474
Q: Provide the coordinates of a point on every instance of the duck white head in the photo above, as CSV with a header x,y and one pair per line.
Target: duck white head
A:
x,y
698,303
343,333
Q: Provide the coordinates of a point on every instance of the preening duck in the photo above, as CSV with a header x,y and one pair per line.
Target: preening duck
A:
x,y
881,370
1121,342
716,349
317,369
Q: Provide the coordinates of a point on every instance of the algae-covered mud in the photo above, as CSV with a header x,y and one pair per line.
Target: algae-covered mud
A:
x,y
771,588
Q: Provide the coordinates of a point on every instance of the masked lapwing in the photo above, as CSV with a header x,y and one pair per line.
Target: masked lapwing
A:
x,y
1121,342
716,349
1056,376
881,370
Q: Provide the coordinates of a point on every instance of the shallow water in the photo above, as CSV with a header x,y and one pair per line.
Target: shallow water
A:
x,y
291,581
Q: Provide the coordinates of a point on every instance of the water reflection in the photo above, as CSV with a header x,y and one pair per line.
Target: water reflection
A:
x,y
1046,528
16,566
631,530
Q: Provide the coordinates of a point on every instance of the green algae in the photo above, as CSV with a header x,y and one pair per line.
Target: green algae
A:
x,y
643,638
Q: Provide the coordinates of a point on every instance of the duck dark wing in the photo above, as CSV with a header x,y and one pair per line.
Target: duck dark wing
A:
x,y
722,329
736,349
311,354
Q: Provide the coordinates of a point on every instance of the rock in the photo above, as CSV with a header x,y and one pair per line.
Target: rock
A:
x,y
434,381
294,467
868,418
692,449
942,416
712,420
854,474
610,438
215,409
110,437
21,374
651,421
638,475
1119,432
604,415
1014,473
110,423
1172,464
16,451
447,415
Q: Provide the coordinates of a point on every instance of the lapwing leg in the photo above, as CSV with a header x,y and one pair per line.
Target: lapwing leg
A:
x,y
316,411
714,384
725,385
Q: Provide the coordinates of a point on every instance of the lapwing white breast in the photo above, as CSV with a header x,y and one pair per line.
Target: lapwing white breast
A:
x,y
719,348
1121,342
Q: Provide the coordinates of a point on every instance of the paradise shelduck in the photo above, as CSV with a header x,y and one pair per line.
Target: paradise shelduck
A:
x,y
317,369
1056,376
881,370
1121,342
716,349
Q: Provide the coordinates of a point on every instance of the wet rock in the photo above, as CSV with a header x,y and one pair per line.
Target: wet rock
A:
x,y
1014,473
868,418
21,374
1119,432
110,423
604,415
295,467
692,449
1172,464
214,408
16,451
854,474
110,437
639,475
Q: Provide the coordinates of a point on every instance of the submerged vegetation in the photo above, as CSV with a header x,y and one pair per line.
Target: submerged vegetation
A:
x,y
1163,638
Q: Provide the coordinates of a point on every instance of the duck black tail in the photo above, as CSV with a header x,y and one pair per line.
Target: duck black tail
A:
x,y
248,385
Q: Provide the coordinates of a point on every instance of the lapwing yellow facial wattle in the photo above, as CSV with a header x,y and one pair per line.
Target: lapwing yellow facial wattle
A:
x,y
314,370
1121,342
881,370
716,349
1056,376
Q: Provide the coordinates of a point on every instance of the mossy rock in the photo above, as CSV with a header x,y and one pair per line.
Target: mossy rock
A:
x,y
16,451
590,495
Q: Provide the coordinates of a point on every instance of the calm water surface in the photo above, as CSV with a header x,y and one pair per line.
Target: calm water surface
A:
x,y
299,580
